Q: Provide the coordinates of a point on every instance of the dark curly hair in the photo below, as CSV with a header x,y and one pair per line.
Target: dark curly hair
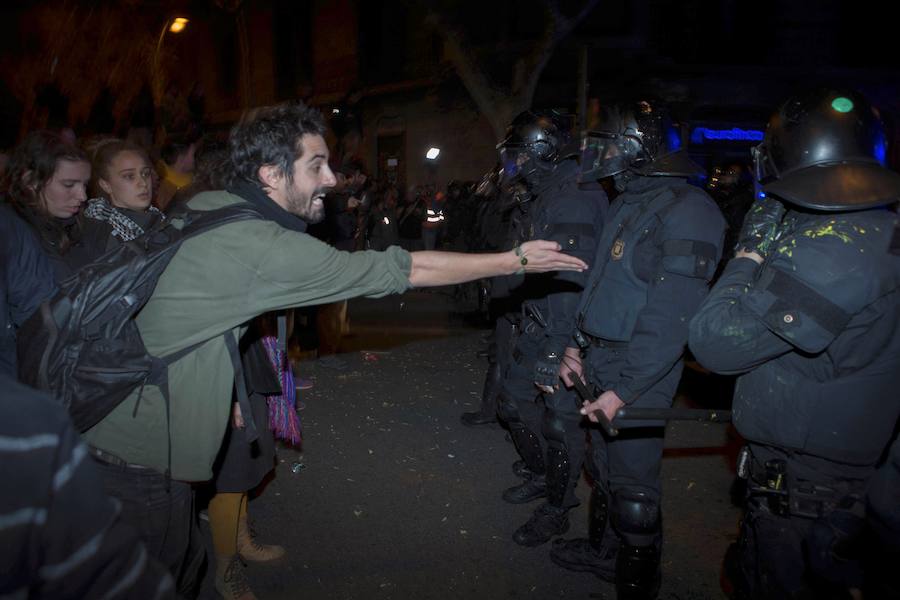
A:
x,y
31,167
270,135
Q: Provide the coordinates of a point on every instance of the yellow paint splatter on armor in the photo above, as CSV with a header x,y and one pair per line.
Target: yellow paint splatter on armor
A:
x,y
828,230
788,248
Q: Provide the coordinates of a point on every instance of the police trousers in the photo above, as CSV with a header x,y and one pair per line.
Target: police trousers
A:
x,y
553,418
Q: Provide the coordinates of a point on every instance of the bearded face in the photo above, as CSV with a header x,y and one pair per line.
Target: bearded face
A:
x,y
304,196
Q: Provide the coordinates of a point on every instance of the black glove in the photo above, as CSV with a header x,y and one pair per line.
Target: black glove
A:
x,y
546,370
760,225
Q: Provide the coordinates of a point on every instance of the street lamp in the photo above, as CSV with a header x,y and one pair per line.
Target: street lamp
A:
x,y
432,153
174,25
178,24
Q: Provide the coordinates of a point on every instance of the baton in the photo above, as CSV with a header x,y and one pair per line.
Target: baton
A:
x,y
673,414
631,413
582,389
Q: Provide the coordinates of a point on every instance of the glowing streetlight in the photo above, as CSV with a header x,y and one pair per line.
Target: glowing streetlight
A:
x,y
174,25
432,153
178,24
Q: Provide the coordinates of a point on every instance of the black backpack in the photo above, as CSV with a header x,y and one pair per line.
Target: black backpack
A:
x,y
83,345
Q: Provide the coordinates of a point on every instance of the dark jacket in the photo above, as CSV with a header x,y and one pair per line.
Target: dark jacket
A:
x,y
62,536
57,238
105,226
815,333
572,217
26,279
656,256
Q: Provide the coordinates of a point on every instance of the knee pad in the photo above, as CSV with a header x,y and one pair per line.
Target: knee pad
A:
x,y
554,429
507,409
635,516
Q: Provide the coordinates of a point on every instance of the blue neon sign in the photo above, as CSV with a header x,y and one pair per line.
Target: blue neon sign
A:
x,y
674,139
700,134
881,149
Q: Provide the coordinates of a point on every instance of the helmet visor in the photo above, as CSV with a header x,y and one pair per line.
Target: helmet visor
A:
x,y
512,161
763,169
604,154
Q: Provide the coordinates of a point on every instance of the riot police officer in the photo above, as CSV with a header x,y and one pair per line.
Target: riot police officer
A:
x,y
543,420
808,313
655,258
500,220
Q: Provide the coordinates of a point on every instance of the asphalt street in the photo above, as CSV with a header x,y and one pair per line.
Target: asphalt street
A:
x,y
391,497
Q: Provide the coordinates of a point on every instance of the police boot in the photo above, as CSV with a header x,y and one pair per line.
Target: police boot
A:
x,y
637,572
487,414
595,554
530,489
520,469
635,517
546,522
550,519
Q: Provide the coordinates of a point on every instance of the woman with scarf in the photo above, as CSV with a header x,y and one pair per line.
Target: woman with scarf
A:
x,y
121,209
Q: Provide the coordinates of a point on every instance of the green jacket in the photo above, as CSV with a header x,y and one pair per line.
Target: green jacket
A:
x,y
218,281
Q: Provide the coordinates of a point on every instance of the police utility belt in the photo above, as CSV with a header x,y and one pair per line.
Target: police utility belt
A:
x,y
770,479
586,341
528,320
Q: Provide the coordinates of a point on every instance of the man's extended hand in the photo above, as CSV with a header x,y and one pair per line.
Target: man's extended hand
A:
x,y
540,256
760,226
608,402
571,366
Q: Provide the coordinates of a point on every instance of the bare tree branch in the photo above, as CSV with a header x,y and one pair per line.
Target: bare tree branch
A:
x,y
500,106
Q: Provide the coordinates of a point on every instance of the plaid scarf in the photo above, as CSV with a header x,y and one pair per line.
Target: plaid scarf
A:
x,y
123,226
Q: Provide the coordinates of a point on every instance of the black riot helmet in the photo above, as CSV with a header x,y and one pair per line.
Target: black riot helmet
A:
x,y
532,145
636,136
826,150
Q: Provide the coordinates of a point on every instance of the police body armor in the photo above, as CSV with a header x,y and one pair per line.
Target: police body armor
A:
x,y
834,398
571,217
627,259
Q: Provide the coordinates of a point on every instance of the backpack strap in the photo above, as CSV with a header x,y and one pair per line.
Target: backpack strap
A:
x,y
240,387
200,221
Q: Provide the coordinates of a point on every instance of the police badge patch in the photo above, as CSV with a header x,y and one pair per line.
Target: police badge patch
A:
x,y
618,249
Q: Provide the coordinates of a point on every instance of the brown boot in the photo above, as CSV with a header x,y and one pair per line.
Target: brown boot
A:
x,y
231,582
250,549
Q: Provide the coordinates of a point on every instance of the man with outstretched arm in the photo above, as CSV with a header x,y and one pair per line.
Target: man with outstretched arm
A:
x,y
219,280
